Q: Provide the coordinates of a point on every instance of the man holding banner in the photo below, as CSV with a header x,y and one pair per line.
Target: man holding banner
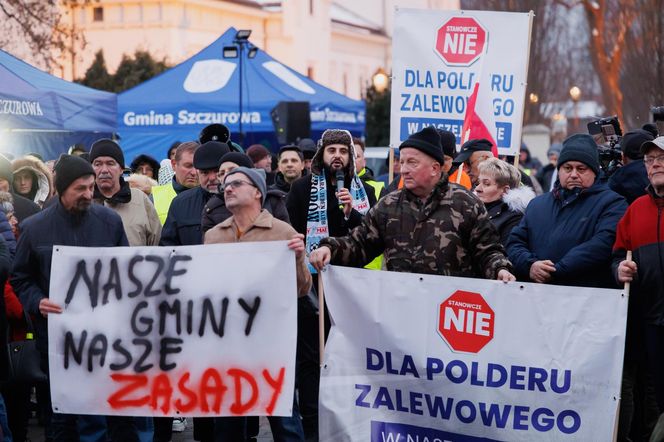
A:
x,y
244,193
430,226
641,231
73,220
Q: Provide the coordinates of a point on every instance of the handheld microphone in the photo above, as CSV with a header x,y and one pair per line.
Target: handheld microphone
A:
x,y
339,176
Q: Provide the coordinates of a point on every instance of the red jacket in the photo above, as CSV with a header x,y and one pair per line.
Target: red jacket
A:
x,y
641,230
15,317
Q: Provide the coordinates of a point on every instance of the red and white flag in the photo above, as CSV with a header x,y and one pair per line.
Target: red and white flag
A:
x,y
479,119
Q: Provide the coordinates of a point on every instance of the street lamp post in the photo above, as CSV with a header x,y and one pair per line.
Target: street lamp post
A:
x,y
240,43
575,94
380,80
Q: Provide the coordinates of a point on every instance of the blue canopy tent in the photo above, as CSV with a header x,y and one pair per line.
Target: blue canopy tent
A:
x,y
204,89
45,114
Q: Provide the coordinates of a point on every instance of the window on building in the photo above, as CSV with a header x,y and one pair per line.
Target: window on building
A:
x,y
98,14
345,84
310,72
311,7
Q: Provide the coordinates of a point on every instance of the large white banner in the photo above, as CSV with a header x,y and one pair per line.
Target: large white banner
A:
x,y
191,331
451,65
418,357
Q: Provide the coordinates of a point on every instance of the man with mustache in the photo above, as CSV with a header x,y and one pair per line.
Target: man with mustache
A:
x,y
138,214
319,207
73,220
566,235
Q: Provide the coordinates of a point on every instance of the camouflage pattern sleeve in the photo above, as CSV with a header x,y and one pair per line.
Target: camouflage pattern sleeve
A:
x,y
485,247
361,245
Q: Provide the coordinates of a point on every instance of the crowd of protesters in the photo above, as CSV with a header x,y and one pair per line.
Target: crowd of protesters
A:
x,y
445,212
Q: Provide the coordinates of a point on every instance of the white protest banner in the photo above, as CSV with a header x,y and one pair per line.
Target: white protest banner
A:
x,y
451,65
163,331
419,357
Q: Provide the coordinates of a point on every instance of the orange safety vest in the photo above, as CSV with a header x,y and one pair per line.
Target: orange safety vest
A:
x,y
465,180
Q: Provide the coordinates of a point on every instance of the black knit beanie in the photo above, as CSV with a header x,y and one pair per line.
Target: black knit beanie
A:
x,y
580,147
427,141
447,142
107,148
238,158
68,169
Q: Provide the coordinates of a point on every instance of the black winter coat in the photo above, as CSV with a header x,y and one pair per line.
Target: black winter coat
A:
x,y
297,203
23,207
31,275
630,181
503,219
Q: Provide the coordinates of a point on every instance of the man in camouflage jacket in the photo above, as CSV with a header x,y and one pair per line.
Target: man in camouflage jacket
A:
x,y
431,226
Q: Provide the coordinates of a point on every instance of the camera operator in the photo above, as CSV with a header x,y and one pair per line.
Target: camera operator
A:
x,y
631,179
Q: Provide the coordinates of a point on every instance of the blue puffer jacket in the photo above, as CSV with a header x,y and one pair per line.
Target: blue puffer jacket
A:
x,y
574,229
6,232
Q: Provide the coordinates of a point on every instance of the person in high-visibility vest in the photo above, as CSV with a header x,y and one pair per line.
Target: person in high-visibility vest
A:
x,y
448,143
472,153
185,178
366,175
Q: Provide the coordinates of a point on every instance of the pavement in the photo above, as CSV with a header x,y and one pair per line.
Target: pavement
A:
x,y
36,433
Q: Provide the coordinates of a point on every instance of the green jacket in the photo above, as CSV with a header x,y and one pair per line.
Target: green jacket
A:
x,y
448,234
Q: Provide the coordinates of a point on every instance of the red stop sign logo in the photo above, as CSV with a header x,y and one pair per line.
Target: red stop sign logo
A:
x,y
461,41
465,321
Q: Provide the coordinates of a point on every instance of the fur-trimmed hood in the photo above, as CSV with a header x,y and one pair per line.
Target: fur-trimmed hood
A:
x,y
518,199
41,174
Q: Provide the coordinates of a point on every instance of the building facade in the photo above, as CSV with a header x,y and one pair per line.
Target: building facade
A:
x,y
338,43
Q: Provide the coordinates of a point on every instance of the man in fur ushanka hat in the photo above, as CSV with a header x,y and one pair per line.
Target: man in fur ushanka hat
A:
x,y
319,208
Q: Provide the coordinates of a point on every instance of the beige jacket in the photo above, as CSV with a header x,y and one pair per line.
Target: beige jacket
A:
x,y
140,220
265,228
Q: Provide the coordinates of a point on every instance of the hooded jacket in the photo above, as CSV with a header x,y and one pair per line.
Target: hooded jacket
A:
x,y
506,213
297,201
42,179
573,228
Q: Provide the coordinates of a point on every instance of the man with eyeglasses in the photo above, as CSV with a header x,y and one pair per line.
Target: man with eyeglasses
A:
x,y
641,231
244,193
215,210
183,228
566,235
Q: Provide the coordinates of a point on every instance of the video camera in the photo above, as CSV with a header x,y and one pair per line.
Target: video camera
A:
x,y
607,134
658,118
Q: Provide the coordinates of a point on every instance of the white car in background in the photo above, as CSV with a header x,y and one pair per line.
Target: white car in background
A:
x,y
376,158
